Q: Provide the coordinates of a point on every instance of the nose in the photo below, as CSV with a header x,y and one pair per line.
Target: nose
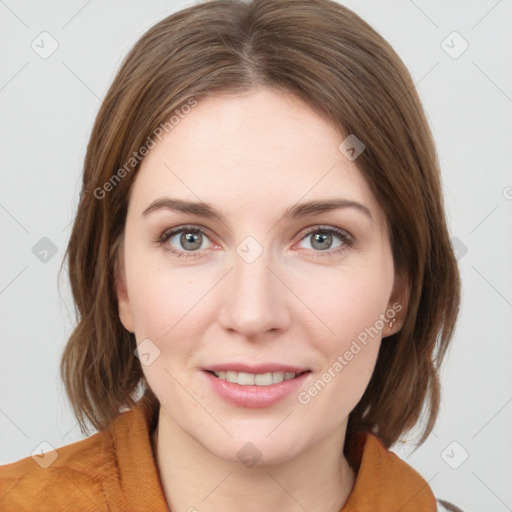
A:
x,y
255,299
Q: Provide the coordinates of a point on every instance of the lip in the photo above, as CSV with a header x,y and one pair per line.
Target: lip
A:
x,y
254,397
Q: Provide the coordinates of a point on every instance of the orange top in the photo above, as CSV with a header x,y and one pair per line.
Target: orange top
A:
x,y
115,470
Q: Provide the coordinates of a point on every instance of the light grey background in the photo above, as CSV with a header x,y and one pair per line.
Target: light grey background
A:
x,y
47,110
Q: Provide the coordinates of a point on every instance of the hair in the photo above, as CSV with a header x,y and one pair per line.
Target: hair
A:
x,y
326,55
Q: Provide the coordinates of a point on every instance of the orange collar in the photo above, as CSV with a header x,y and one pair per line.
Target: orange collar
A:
x,y
384,482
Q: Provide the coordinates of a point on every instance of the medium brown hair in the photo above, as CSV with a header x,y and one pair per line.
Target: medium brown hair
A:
x,y
329,57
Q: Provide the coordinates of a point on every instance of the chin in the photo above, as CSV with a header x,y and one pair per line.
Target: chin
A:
x,y
256,452
260,444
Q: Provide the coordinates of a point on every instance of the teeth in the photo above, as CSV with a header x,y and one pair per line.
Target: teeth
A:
x,y
263,379
251,379
246,379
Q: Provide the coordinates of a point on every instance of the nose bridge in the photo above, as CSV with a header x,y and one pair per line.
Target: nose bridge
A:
x,y
254,302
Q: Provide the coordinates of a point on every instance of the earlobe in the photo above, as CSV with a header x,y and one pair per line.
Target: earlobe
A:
x,y
397,306
123,301
393,325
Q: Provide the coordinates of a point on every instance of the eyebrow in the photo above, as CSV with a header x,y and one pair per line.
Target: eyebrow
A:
x,y
296,211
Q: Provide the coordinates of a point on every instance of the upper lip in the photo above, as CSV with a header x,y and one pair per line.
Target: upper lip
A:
x,y
256,369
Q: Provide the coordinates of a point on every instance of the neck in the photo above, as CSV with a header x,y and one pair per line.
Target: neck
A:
x,y
318,480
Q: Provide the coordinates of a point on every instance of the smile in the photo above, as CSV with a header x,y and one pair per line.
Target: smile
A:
x,y
255,379
255,386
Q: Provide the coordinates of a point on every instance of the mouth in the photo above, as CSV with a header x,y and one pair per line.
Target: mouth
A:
x,y
255,386
255,379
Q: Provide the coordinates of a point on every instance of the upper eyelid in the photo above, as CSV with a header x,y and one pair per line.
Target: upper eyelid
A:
x,y
168,233
326,227
179,229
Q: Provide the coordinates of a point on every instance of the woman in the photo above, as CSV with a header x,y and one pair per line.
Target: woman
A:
x,y
262,272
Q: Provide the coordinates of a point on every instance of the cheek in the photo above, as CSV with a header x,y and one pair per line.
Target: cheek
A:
x,y
165,306
155,306
352,303
349,356
162,298
352,308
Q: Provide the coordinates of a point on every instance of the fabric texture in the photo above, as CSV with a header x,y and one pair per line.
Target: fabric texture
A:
x,y
115,470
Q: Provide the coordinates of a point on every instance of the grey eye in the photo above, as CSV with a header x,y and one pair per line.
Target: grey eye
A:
x,y
189,240
322,240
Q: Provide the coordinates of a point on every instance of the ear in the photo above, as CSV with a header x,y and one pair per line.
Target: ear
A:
x,y
123,301
397,306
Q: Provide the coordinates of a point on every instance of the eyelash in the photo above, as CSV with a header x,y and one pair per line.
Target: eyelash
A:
x,y
340,233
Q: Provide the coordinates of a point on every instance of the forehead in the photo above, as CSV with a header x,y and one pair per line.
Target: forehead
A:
x,y
258,148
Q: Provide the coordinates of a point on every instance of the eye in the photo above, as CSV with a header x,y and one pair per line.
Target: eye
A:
x,y
327,239
188,241
183,240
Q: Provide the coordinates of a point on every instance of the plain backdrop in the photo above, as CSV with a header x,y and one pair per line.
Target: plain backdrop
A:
x,y
459,54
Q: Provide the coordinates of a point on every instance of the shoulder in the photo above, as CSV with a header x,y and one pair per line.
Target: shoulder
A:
x,y
386,482
401,469
69,474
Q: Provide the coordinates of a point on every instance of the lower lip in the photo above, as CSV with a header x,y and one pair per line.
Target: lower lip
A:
x,y
254,397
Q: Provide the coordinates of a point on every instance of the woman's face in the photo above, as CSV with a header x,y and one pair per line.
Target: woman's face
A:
x,y
260,283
